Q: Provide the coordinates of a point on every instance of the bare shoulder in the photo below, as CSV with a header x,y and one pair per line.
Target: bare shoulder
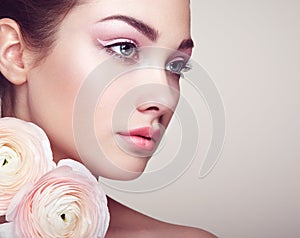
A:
x,y
129,223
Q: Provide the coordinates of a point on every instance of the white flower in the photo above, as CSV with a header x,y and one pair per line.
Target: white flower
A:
x,y
25,155
66,202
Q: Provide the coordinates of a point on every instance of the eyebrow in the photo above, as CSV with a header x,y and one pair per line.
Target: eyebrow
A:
x,y
186,44
140,26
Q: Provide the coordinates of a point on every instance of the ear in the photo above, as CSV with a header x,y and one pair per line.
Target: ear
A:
x,y
11,52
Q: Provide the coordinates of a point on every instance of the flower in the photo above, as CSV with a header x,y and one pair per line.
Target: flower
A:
x,y
66,202
25,155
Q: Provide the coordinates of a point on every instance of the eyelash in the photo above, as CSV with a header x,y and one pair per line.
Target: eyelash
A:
x,y
133,57
109,49
184,66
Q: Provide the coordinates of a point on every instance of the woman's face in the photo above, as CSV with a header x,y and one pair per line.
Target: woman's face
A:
x,y
90,34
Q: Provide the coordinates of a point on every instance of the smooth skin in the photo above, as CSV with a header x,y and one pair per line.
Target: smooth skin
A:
x,y
45,91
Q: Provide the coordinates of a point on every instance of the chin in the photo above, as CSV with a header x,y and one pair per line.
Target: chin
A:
x,y
123,176
132,171
126,168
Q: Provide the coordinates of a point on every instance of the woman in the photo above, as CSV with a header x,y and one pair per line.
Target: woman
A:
x,y
49,48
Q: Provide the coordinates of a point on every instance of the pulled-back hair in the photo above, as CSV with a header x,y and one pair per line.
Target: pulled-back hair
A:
x,y
38,21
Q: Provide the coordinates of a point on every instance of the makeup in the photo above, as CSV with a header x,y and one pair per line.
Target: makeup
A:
x,y
141,140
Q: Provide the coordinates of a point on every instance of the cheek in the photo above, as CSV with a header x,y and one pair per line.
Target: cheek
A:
x,y
52,90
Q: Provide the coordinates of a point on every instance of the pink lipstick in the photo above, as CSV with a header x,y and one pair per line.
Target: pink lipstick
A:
x,y
144,138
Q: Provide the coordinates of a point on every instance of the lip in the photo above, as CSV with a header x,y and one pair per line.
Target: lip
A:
x,y
144,138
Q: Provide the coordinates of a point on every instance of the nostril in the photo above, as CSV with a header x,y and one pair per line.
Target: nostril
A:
x,y
152,108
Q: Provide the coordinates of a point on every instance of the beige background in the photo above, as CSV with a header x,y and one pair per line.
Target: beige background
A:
x,y
251,49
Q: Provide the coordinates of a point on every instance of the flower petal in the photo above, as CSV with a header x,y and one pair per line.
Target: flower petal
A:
x,y
25,155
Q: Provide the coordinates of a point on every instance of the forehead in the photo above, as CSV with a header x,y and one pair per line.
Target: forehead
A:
x,y
171,18
145,7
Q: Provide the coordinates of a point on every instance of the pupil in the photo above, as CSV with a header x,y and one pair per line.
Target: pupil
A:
x,y
176,66
126,49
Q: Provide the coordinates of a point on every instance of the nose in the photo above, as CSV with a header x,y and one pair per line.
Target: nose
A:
x,y
158,103
159,95
158,107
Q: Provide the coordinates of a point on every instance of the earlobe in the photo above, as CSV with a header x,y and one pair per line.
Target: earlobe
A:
x,y
12,52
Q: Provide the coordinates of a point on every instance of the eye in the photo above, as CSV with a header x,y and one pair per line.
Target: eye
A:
x,y
125,49
122,48
178,66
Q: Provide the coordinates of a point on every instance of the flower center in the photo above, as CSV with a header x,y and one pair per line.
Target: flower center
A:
x,y
5,162
7,155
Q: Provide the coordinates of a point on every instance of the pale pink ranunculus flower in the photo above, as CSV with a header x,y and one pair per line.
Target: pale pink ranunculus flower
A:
x,y
66,202
25,155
